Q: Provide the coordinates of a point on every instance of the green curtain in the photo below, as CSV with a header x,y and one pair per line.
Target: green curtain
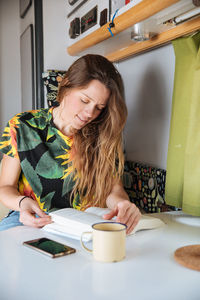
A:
x,y
183,161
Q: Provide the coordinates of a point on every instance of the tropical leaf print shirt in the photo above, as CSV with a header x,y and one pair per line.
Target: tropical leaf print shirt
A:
x,y
43,151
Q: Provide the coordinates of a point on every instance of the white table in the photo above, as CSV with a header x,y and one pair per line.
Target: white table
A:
x,y
149,271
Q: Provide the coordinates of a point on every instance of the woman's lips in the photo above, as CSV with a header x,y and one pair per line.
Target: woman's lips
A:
x,y
82,120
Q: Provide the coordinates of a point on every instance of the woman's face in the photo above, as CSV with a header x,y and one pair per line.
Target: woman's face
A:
x,y
81,106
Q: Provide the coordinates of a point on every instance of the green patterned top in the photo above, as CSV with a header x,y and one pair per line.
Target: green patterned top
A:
x,y
43,151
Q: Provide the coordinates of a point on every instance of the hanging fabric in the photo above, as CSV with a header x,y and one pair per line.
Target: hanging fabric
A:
x,y
183,161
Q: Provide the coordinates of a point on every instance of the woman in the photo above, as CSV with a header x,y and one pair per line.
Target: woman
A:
x,y
71,154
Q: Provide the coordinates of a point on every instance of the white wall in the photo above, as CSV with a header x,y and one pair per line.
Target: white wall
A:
x,y
10,95
148,80
55,35
55,32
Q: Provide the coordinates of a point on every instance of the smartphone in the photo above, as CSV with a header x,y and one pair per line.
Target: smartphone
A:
x,y
49,247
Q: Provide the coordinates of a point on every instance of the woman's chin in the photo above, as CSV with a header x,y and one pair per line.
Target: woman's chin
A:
x,y
79,125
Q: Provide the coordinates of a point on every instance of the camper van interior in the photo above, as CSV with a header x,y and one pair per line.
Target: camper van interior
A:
x,y
155,46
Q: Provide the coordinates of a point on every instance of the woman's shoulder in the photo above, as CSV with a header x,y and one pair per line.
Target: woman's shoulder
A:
x,y
42,112
32,117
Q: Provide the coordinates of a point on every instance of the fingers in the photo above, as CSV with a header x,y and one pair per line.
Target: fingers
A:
x,y
29,209
29,219
110,215
128,214
125,209
39,212
132,223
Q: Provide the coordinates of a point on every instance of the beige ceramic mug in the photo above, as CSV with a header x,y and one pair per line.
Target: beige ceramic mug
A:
x,y
108,241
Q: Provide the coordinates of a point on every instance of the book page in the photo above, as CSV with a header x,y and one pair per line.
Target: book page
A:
x,y
75,217
72,223
148,222
98,211
68,231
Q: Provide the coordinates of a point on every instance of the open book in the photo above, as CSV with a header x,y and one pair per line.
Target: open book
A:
x,y
72,223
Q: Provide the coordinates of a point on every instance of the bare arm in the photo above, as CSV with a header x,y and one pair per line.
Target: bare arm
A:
x,y
10,196
9,176
126,212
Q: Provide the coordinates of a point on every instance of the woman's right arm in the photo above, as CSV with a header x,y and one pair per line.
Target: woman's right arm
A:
x,y
10,196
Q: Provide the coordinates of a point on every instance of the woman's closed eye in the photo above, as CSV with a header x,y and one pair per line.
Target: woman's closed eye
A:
x,y
100,108
84,101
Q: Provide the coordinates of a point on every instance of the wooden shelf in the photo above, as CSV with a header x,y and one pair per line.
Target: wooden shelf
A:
x,y
140,12
137,13
159,40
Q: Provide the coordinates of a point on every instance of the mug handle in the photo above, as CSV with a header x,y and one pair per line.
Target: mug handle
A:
x,y
82,243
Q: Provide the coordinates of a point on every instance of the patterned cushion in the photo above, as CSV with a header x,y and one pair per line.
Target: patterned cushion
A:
x,y
145,186
51,81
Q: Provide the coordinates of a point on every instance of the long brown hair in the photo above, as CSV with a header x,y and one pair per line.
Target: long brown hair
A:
x,y
98,158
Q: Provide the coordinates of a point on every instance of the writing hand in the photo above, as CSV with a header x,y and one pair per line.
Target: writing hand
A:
x,y
29,208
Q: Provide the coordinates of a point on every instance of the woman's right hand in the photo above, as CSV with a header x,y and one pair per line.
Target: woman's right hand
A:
x,y
28,209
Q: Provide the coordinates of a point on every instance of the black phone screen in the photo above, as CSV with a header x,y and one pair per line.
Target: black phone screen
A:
x,y
49,247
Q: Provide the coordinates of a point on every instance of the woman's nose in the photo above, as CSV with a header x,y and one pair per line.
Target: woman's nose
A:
x,y
90,110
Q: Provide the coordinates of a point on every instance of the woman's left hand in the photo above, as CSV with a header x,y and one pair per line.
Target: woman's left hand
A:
x,y
127,213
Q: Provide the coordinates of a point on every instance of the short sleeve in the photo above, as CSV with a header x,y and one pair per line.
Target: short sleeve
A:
x,y
8,140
